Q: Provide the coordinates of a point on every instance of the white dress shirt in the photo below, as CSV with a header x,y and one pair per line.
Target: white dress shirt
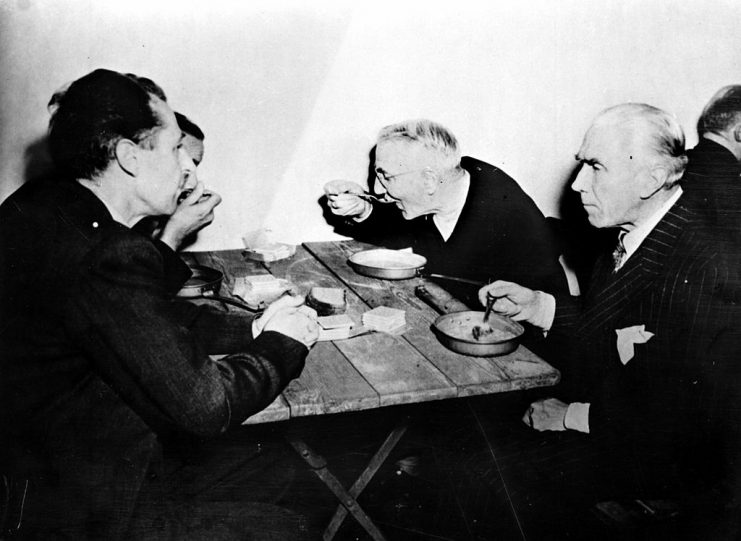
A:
x,y
446,223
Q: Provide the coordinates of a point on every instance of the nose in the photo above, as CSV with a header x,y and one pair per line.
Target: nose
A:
x,y
581,181
190,179
188,170
379,188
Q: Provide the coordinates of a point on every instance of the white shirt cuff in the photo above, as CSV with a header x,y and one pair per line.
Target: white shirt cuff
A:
x,y
543,318
577,417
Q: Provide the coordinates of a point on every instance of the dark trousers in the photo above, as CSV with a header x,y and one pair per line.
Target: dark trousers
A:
x,y
228,488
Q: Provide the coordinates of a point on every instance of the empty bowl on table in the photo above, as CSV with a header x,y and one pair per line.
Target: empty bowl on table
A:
x,y
387,264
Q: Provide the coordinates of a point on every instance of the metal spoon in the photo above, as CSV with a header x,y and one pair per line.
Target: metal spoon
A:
x,y
489,307
482,330
373,197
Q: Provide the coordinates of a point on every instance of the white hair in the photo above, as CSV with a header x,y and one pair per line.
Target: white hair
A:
x,y
430,135
663,134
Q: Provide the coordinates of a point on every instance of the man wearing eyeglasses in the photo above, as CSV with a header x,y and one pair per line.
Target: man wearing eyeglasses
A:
x,y
468,218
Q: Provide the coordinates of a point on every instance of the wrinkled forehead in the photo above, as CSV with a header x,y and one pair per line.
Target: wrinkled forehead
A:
x,y
608,137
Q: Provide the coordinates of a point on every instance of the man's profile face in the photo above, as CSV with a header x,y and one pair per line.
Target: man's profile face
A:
x,y
194,150
609,179
160,177
399,173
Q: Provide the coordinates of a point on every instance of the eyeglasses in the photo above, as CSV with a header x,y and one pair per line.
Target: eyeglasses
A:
x,y
385,177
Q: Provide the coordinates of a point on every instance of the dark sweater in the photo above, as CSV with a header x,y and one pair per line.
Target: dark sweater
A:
x,y
500,235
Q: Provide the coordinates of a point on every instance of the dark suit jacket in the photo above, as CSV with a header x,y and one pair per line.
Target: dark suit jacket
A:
x,y
500,235
98,360
671,404
712,182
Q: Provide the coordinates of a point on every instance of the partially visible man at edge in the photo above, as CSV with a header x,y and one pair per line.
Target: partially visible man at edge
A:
x,y
468,218
712,180
652,368
99,362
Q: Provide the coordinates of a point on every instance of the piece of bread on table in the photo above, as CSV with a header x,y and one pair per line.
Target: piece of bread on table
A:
x,y
327,301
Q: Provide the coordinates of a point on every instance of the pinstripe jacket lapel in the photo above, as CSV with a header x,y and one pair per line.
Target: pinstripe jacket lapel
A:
x,y
614,291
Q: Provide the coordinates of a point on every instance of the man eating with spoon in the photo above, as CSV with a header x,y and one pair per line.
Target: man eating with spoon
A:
x,y
468,218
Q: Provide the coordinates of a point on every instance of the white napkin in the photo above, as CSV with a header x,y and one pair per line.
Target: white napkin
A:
x,y
628,337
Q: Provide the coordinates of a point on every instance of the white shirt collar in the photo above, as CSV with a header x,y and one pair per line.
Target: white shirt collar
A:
x,y
446,224
633,239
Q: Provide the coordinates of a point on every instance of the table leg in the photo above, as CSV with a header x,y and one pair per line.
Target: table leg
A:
x,y
348,499
375,463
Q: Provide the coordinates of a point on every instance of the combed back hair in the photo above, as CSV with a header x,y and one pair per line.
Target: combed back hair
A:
x,y
91,115
431,135
722,111
189,127
149,85
660,131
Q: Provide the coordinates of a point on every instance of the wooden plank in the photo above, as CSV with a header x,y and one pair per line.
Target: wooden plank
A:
x,y
329,384
471,375
395,370
278,410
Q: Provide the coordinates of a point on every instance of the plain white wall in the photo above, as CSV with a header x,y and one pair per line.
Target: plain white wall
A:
x,y
292,94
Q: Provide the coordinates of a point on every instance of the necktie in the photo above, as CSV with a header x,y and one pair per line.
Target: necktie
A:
x,y
618,256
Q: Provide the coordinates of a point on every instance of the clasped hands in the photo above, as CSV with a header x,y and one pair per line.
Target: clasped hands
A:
x,y
289,316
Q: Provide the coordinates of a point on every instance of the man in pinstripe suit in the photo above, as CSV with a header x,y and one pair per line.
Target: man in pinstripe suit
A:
x,y
651,348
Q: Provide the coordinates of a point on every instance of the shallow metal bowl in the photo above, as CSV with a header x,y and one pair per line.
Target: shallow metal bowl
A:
x,y
387,264
204,281
454,331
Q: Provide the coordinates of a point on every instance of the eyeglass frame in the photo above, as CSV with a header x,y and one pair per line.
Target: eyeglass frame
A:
x,y
381,175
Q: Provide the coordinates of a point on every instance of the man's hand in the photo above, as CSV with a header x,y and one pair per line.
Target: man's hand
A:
x,y
193,213
548,414
515,301
342,196
287,316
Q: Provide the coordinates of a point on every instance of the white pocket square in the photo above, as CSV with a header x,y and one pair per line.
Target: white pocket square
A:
x,y
628,337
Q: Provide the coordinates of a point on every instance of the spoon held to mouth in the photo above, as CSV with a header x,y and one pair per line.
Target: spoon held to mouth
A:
x,y
373,197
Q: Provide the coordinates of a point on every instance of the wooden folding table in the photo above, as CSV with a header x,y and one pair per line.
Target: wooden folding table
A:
x,y
374,370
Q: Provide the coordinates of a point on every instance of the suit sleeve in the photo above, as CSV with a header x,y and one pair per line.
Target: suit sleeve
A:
x,y
149,352
384,227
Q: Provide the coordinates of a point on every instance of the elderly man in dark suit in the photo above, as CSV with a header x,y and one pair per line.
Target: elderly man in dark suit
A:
x,y
653,346
713,176
100,365
468,218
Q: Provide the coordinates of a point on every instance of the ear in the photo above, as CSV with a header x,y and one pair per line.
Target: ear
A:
x,y
127,156
737,133
431,181
653,180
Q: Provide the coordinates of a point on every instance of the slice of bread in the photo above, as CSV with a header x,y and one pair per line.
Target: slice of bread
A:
x,y
327,301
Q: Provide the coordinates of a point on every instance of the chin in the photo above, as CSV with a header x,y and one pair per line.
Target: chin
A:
x,y
408,214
